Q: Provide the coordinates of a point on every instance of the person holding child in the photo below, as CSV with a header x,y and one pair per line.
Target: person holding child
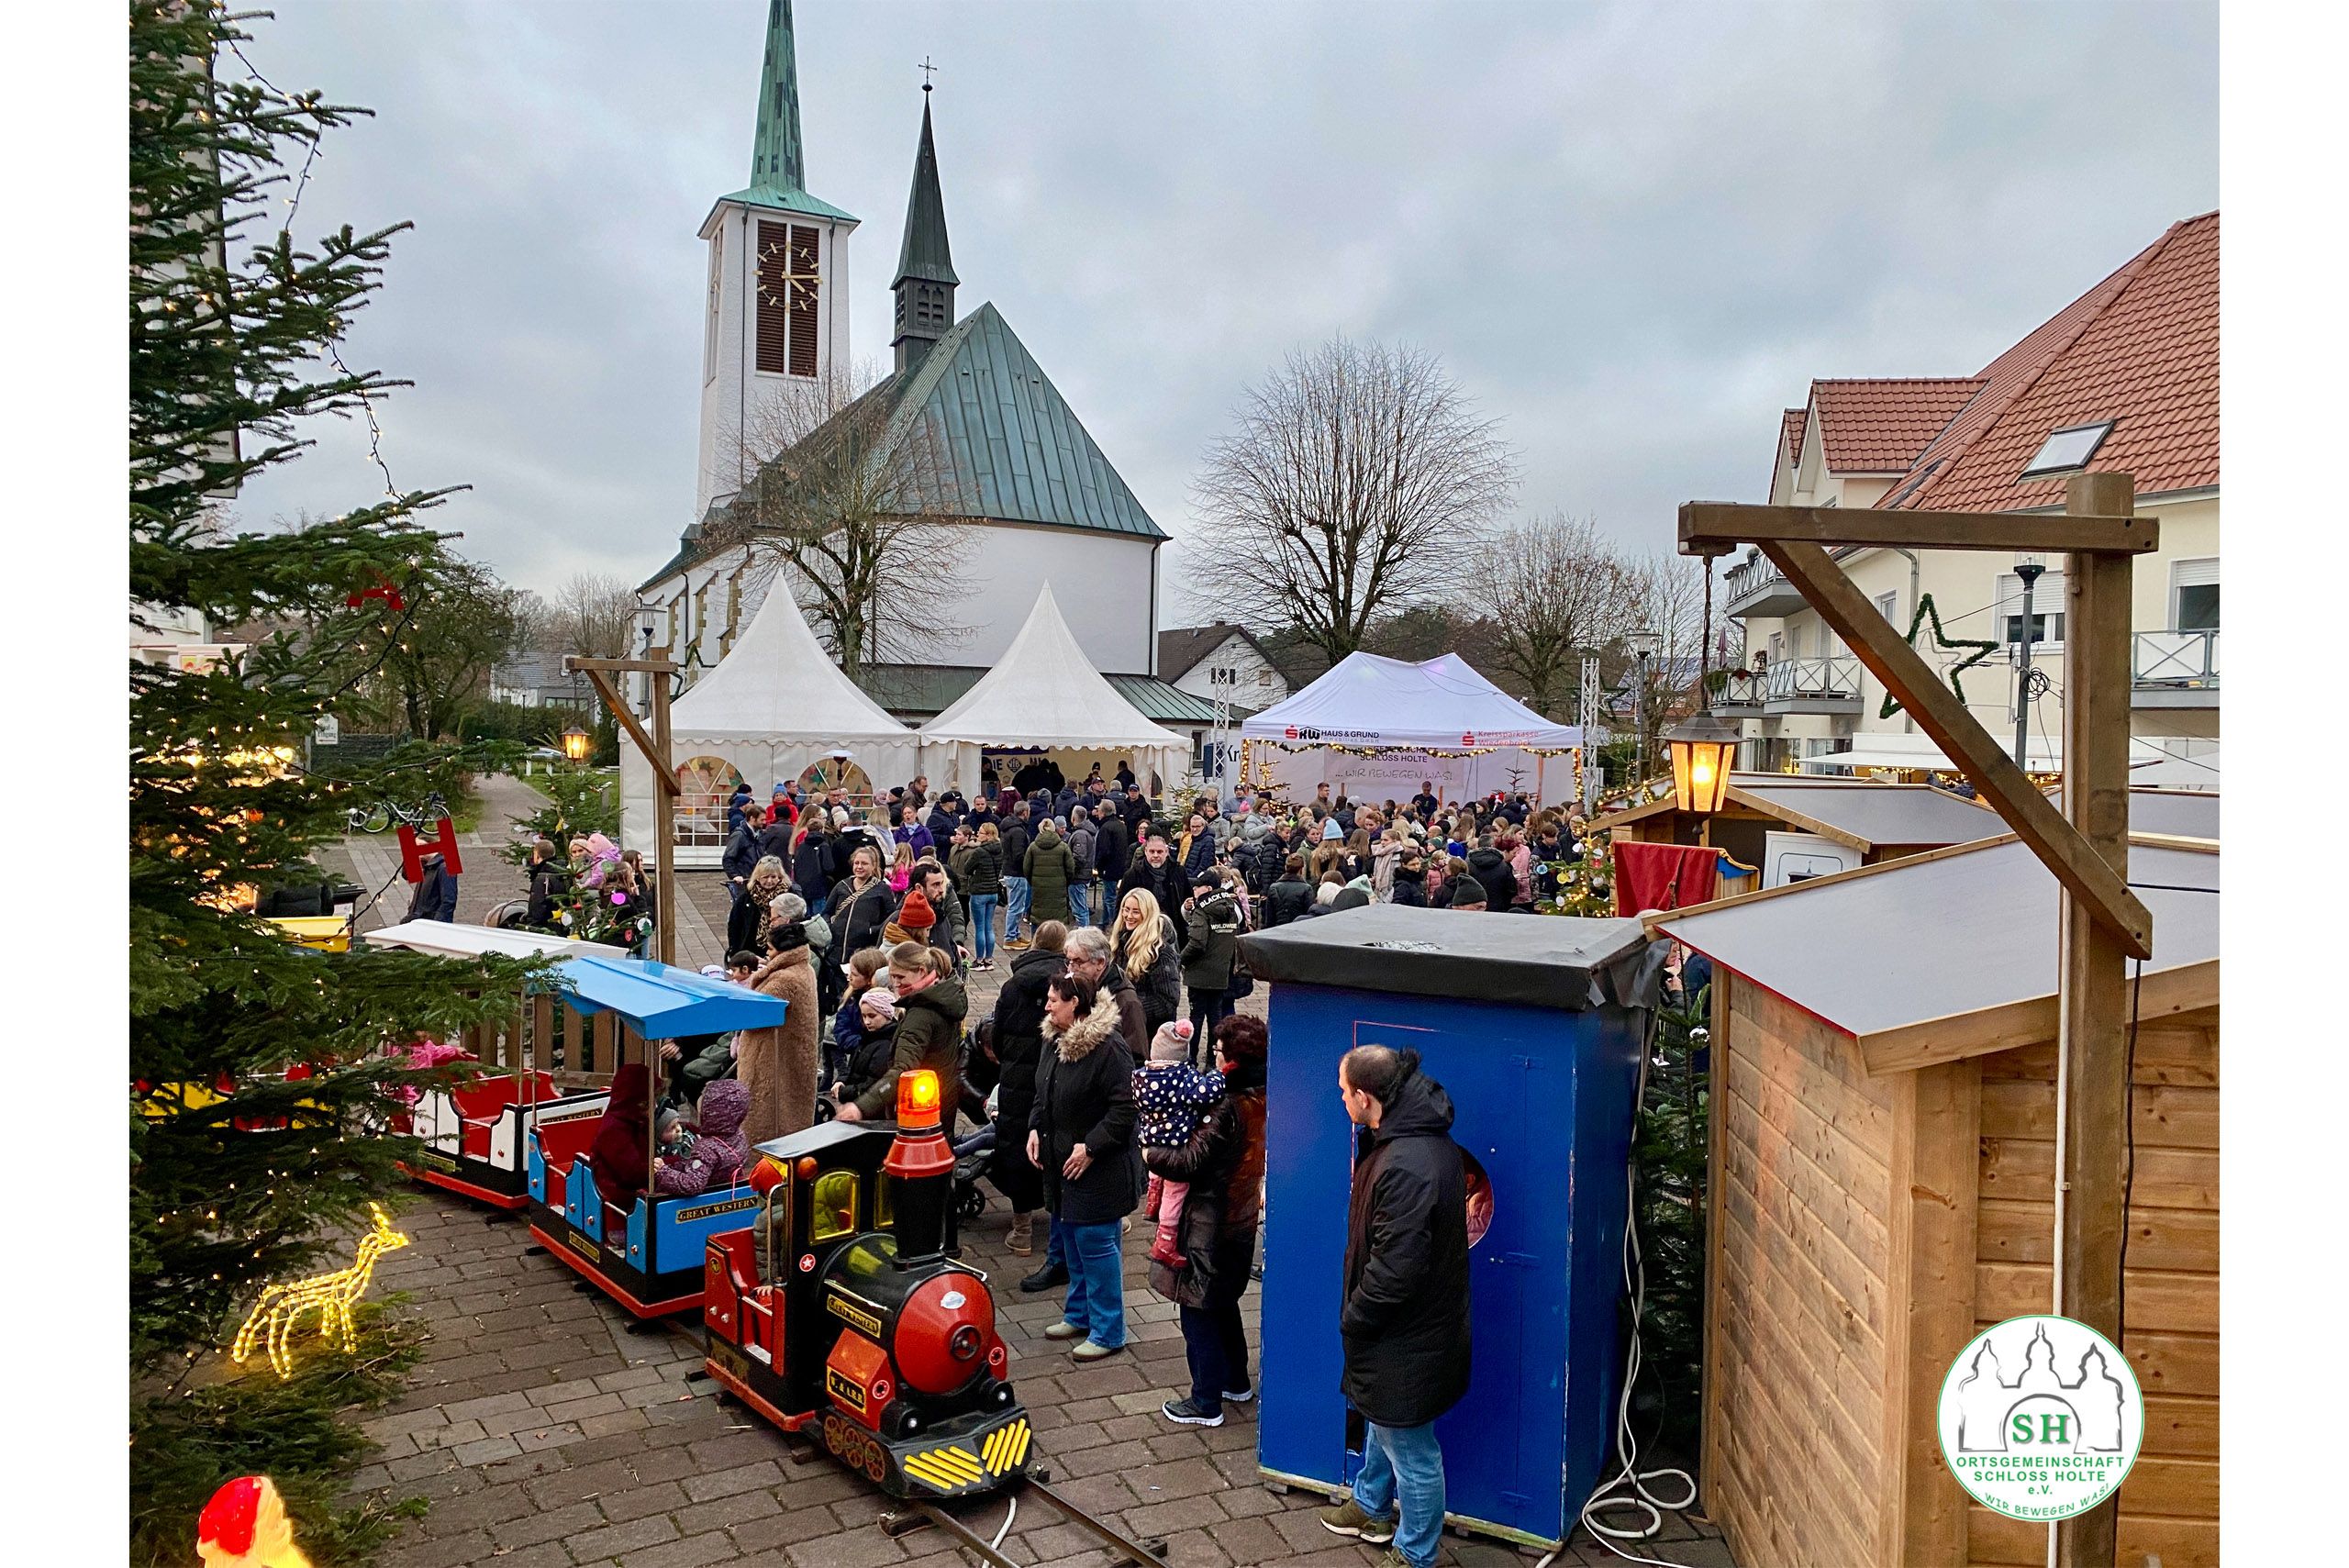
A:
x,y
716,1153
1171,1098
1223,1169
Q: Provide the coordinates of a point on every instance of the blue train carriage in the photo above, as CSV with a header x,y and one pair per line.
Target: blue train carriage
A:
x,y
845,1311
650,1258
473,1134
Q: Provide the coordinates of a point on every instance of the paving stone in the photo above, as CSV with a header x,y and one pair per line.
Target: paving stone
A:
x,y
761,1536
1165,1518
692,1551
616,1539
641,1500
555,1524
866,1548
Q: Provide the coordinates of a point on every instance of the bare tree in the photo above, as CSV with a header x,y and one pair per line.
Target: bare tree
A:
x,y
850,500
594,616
1357,474
1552,590
1667,596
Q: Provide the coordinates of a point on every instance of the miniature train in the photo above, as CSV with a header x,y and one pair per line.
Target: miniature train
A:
x,y
841,1309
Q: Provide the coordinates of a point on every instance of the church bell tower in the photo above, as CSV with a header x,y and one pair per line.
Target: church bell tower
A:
x,y
775,325
926,279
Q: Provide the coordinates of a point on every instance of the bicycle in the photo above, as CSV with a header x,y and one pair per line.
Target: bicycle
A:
x,y
379,817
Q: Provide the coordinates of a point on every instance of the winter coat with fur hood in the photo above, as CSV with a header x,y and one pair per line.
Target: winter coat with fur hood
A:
x,y
1084,1094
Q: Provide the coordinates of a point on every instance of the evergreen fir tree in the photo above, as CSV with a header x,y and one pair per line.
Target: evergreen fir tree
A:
x,y
241,1175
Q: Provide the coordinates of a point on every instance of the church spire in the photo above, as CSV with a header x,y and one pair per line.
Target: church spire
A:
x,y
775,161
926,279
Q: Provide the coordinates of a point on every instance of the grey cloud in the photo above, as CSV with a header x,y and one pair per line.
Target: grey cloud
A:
x,y
1634,232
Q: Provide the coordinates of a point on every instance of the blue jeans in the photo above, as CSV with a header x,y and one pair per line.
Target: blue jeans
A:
x,y
1097,1280
1079,905
1405,1461
1015,906
983,925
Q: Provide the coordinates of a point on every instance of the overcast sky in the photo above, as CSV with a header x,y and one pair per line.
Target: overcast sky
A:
x,y
1634,233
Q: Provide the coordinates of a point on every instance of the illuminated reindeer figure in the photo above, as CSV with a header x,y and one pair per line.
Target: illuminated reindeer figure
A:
x,y
281,1305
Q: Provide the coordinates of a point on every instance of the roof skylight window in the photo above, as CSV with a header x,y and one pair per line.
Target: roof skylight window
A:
x,y
2068,450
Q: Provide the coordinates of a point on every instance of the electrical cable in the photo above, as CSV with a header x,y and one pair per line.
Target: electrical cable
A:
x,y
2129,1169
1010,1514
1626,1445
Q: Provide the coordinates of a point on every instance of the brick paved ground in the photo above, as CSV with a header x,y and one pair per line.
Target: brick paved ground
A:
x,y
547,1432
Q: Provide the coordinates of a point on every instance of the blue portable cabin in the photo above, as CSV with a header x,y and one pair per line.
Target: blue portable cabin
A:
x,y
1534,1026
650,1259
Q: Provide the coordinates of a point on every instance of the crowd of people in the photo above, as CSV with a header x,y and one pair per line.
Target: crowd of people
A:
x,y
1113,1073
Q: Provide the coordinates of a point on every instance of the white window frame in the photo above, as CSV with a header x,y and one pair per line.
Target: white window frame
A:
x,y
2047,602
1888,605
2042,466
2192,567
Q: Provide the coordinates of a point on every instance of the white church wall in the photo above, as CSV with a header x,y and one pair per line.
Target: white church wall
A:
x,y
1101,581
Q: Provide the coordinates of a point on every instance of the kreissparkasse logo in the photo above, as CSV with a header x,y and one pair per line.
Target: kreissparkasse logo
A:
x,y
2041,1417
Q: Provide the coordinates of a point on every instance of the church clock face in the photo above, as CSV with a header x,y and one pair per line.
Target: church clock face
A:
x,y
776,278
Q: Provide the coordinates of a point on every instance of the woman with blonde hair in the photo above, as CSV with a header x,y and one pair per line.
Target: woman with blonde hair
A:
x,y
746,927
1142,947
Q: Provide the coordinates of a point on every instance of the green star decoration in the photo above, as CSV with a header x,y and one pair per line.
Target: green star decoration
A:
x,y
1983,648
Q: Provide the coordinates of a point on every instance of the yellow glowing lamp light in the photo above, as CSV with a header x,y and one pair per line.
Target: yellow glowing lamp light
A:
x,y
1702,748
917,1100
575,742
271,1320
245,1524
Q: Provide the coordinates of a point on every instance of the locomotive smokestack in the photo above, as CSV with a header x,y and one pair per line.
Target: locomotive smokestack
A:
x,y
923,1164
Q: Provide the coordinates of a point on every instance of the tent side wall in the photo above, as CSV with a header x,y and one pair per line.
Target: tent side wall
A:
x,y
1863,1228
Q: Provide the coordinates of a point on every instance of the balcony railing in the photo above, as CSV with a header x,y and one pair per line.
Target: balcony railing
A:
x,y
1757,588
1834,676
2183,659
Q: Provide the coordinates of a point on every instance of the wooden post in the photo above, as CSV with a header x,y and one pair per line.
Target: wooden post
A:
x,y
2092,1075
664,820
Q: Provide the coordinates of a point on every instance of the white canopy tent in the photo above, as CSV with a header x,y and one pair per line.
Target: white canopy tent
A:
x,y
1045,694
775,706
1902,749
1435,720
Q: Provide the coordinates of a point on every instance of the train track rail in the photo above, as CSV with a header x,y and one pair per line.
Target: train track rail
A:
x,y
1148,1552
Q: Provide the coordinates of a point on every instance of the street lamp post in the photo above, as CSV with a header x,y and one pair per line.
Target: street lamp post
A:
x,y
1644,644
2028,568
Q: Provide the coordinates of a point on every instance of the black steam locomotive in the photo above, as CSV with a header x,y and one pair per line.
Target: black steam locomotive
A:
x,y
841,1310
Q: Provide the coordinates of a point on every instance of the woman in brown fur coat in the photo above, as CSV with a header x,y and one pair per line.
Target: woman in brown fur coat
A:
x,y
778,1065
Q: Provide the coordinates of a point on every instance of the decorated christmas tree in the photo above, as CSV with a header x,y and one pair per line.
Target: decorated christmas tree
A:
x,y
262,1072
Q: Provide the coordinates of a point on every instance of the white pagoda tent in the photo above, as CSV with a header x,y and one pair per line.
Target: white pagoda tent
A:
x,y
1043,696
1374,728
774,708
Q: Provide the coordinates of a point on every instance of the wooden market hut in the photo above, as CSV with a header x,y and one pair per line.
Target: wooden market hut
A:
x,y
1883,1169
1877,821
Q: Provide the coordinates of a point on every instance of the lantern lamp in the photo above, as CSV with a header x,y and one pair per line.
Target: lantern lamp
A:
x,y
575,742
1702,750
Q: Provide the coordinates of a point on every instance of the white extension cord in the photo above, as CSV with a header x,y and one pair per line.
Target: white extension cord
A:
x,y
1635,1280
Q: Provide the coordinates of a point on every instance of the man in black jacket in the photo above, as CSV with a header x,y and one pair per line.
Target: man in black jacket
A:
x,y
742,852
547,879
1405,1321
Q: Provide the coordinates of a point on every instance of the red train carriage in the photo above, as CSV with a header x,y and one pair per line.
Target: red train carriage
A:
x,y
840,1310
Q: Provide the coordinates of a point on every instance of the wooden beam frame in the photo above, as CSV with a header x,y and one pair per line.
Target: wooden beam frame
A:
x,y
665,788
1946,721
1714,528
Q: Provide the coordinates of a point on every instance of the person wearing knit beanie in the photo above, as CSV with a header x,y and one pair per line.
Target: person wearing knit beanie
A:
x,y
1172,1042
913,921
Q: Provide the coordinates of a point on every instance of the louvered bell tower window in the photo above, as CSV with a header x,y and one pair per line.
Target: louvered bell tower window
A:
x,y
788,287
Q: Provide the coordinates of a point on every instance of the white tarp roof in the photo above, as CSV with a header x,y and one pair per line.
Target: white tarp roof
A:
x,y
452,938
1440,704
778,684
1043,692
1899,749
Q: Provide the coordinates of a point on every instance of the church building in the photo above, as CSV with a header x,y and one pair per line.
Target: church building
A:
x,y
1009,460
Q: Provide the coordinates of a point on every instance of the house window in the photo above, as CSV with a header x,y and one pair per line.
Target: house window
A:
x,y
2194,595
2066,450
1889,606
2046,610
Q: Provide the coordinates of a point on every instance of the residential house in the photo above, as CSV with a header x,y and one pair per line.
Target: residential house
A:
x,y
2124,379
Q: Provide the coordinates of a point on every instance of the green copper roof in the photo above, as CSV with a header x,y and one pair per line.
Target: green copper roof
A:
x,y
775,155
925,254
778,173
1018,451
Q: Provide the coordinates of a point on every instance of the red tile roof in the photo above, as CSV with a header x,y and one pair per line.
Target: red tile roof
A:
x,y
2140,349
1790,428
1879,426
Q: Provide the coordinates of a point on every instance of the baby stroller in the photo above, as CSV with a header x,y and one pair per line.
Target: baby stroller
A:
x,y
973,1150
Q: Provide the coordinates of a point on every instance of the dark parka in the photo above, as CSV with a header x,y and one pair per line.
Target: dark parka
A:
x,y
1491,868
1224,1162
1161,985
856,917
741,855
1019,1044
1285,900
815,867
982,869
1051,868
548,879
1405,1321
929,1034
1084,1094
1215,936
